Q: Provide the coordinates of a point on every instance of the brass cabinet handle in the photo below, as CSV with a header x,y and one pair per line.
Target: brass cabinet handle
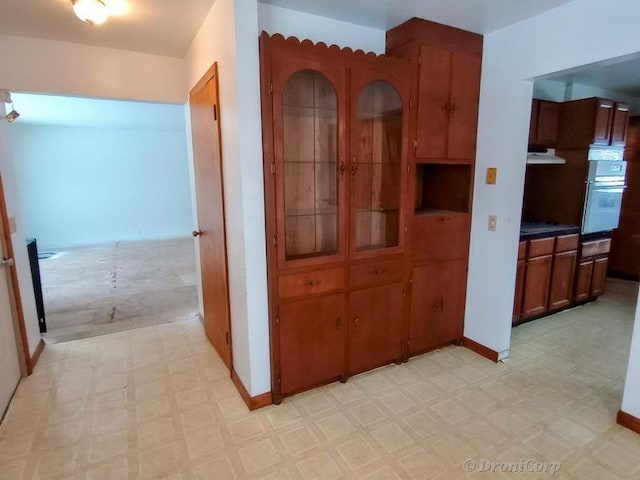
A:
x,y
342,168
354,166
379,272
339,323
314,283
452,108
446,107
356,322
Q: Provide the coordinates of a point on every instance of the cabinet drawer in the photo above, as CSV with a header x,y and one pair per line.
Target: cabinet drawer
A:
x,y
566,243
308,283
596,247
376,273
522,250
541,246
441,237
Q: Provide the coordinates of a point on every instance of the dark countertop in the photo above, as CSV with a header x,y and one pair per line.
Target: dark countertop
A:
x,y
532,231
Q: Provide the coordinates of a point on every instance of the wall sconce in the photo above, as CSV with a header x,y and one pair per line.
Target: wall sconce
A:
x,y
11,116
93,12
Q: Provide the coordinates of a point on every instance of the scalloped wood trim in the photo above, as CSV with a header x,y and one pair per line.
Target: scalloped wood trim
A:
x,y
277,40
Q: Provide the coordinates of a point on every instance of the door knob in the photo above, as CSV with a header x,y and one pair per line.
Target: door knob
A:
x,y
196,233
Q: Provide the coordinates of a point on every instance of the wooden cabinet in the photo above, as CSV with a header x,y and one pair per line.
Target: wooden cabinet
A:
x,y
537,277
592,269
375,327
543,130
520,279
563,274
335,150
583,280
449,91
437,305
593,120
599,276
312,337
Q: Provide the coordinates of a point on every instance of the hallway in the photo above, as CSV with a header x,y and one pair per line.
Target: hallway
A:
x,y
157,402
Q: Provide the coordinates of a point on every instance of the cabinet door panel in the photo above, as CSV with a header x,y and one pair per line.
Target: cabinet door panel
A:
x,y
599,277
564,268
533,122
583,282
602,124
519,292
463,114
536,289
433,98
312,342
437,305
548,117
441,237
620,125
375,329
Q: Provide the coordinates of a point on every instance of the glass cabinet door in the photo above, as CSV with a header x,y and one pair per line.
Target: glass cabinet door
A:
x,y
310,157
376,167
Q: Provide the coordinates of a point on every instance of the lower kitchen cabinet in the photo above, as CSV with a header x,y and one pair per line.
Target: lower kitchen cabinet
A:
x,y
313,335
564,268
375,327
599,276
583,280
437,305
536,289
520,274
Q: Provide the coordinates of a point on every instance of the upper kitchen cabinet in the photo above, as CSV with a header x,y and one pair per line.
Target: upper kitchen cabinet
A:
x,y
543,130
593,121
447,86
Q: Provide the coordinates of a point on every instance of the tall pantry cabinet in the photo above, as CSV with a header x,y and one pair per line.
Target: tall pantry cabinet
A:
x,y
335,143
368,165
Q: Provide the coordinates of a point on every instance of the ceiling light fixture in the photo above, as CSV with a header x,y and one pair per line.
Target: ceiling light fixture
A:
x,y
93,12
11,116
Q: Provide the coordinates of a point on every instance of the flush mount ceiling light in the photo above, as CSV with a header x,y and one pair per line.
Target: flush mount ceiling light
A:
x,y
93,12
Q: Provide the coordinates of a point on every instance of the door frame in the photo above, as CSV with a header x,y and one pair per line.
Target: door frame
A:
x,y
26,361
211,74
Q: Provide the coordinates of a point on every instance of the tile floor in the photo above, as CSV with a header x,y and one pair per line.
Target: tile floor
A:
x,y
157,403
108,288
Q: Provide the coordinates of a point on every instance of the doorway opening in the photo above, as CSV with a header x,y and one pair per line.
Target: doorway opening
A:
x,y
106,201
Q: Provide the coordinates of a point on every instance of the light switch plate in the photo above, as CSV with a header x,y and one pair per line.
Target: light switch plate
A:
x,y
492,175
493,223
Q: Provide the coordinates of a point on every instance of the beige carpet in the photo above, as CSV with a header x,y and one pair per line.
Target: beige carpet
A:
x,y
102,289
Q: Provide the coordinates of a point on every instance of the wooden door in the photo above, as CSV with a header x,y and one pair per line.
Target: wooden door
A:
x,y
433,102
583,280
463,106
312,342
536,290
548,118
599,277
207,156
377,182
519,292
437,305
308,109
562,279
603,120
620,124
375,325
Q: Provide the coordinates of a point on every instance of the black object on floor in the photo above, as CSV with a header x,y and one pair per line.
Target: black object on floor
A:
x,y
32,249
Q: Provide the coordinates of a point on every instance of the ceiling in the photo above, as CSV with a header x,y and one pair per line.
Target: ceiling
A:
x,y
480,16
162,27
167,27
53,110
621,75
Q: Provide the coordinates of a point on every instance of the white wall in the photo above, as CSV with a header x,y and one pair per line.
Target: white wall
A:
x,y
18,237
49,66
229,36
85,186
631,399
319,29
556,40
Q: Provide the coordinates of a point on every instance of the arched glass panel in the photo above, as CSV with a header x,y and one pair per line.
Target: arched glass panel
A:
x,y
310,149
378,176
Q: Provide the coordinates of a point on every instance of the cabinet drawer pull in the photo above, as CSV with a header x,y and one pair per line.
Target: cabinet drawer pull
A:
x,y
354,166
356,322
339,323
342,168
314,283
444,219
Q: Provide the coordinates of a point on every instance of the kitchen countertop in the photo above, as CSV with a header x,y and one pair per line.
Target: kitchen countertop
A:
x,y
531,231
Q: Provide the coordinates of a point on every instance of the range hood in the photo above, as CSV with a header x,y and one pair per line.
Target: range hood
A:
x,y
545,157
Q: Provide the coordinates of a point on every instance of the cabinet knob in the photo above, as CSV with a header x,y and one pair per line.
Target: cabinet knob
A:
x,y
314,283
196,233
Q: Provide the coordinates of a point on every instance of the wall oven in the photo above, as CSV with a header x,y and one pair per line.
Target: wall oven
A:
x,y
605,187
